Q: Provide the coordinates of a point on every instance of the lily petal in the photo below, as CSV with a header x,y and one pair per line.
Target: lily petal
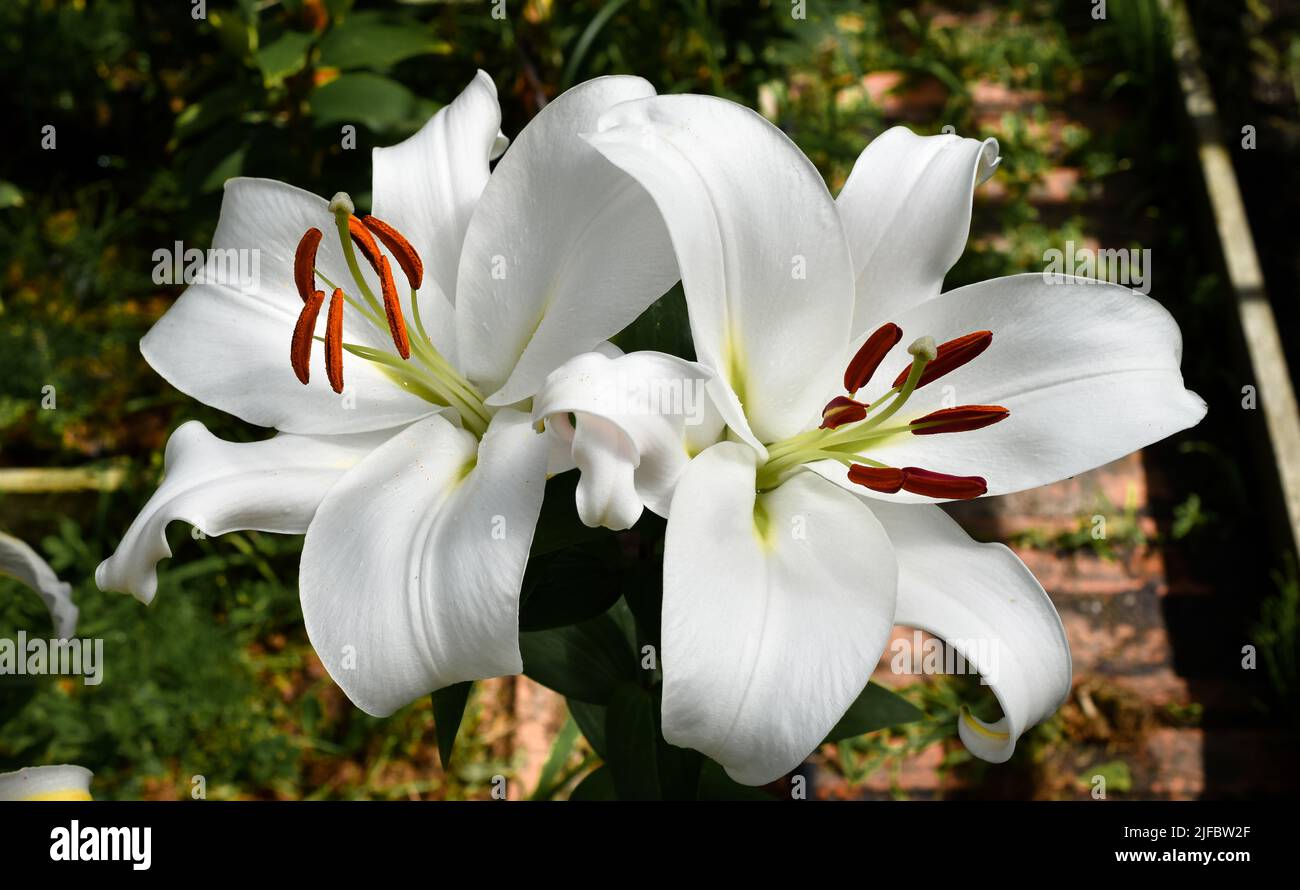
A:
x,y
768,635
229,348
563,250
639,417
1089,372
428,185
412,567
985,603
906,209
762,252
274,485
19,561
60,782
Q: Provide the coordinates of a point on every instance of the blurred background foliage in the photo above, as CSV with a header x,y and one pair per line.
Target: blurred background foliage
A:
x,y
152,109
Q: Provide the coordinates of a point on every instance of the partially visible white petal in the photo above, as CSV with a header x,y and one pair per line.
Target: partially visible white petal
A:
x,y
639,417
62,782
986,604
906,209
229,347
17,560
763,256
499,145
1089,372
428,185
412,567
274,485
767,637
562,252
607,459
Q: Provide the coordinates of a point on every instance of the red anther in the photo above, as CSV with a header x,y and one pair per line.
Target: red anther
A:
x,y
362,238
942,485
869,356
300,348
841,410
950,356
334,341
960,419
304,263
399,247
886,480
393,309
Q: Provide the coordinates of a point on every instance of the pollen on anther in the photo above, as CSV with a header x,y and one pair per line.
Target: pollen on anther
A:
x,y
942,485
886,480
334,341
869,356
407,258
959,420
950,356
304,263
393,309
300,348
841,410
362,238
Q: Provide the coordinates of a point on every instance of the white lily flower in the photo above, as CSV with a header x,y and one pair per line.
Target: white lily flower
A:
x,y
795,545
416,483
61,782
21,562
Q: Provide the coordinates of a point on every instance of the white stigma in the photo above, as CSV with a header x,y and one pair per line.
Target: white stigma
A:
x,y
923,347
342,203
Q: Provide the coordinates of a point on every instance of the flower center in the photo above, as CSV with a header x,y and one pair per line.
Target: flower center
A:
x,y
430,376
850,427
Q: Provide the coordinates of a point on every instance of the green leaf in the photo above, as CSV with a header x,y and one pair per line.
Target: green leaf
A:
x,y
598,785
632,739
558,525
214,108
448,710
237,36
586,661
679,768
10,195
876,708
283,57
549,781
373,40
570,586
715,784
218,156
369,99
591,720
1115,775
589,34
663,327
